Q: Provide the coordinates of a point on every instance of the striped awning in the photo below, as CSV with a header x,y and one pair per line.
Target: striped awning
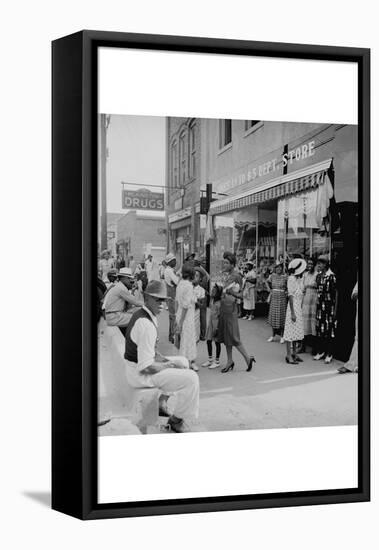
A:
x,y
280,187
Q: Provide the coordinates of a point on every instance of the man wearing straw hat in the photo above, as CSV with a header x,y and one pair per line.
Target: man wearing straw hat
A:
x,y
170,374
119,300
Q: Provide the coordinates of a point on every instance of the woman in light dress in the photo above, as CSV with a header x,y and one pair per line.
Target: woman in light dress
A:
x,y
294,326
185,316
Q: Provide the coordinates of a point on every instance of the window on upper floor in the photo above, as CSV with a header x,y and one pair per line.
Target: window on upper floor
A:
x,y
174,181
250,124
225,132
183,158
192,151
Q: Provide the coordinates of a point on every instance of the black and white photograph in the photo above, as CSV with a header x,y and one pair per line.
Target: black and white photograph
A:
x,y
228,262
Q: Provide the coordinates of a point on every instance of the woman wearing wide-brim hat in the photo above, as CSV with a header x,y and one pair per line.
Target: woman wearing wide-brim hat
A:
x,y
294,326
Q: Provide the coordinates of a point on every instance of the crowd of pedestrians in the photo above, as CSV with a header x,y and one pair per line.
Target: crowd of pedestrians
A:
x,y
131,298
302,306
302,302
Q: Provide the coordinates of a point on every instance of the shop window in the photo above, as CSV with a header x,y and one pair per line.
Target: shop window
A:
x,y
224,235
301,230
267,234
225,132
245,233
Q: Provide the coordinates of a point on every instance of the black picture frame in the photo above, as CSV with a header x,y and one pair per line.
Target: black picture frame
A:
x,y
74,205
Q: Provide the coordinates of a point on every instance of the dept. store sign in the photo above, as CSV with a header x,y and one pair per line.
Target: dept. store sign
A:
x,y
142,200
271,166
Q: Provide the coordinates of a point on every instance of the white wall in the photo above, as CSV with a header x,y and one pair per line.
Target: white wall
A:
x,y
28,28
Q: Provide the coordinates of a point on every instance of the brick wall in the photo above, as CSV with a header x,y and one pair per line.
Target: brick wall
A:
x,y
141,230
190,190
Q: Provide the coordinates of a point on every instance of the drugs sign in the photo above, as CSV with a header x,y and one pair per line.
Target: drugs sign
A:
x,y
142,200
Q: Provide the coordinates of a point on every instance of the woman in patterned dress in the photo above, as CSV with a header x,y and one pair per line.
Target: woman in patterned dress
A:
x,y
185,316
278,302
228,330
310,304
326,310
294,327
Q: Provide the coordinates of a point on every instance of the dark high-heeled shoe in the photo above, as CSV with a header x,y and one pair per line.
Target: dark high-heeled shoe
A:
x,y
291,362
250,365
228,368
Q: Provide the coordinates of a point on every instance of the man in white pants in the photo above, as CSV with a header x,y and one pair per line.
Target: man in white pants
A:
x,y
172,374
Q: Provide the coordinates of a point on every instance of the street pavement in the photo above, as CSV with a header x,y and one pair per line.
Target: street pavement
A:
x,y
273,395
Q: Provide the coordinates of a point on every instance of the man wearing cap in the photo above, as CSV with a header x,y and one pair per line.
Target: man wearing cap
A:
x,y
171,280
119,300
171,374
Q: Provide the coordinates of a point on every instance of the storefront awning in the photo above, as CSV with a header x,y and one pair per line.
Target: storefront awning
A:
x,y
288,184
181,223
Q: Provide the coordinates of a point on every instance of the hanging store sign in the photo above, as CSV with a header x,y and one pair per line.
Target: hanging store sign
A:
x,y
142,200
253,171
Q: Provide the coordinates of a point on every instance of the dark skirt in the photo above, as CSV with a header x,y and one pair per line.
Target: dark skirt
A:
x,y
278,308
228,330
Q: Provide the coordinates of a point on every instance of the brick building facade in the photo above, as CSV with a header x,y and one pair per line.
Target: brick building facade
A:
x,y
183,185
140,235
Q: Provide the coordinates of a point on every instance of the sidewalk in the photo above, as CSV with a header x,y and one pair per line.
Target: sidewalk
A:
x,y
273,394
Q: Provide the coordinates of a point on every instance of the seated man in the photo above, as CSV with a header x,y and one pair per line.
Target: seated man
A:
x,y
172,374
119,300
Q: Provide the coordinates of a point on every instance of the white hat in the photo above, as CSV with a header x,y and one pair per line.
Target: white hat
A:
x,y
125,272
298,265
170,257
